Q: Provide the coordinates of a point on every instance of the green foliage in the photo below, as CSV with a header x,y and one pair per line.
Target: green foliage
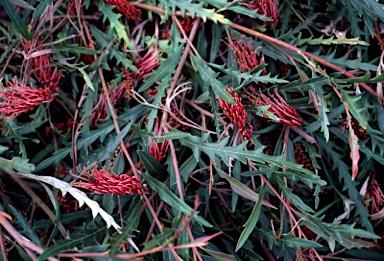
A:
x,y
163,169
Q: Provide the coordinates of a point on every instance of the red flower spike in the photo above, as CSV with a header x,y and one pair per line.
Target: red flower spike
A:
x,y
280,108
101,182
116,95
126,8
265,7
246,57
158,150
149,62
18,98
376,194
236,114
45,72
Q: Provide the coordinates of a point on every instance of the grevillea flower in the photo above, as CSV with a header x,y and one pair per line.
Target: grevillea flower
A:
x,y
101,182
149,62
45,72
376,194
285,113
126,8
158,150
265,7
186,24
236,114
246,56
19,98
116,95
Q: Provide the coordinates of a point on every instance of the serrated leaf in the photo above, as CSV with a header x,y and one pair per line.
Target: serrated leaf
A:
x,y
354,107
115,23
187,167
153,167
209,78
295,242
17,22
296,200
335,231
18,164
131,224
250,225
104,40
171,199
27,230
79,195
166,68
198,144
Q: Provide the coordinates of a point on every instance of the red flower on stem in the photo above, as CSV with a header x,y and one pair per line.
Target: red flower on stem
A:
x,y
45,72
268,8
101,182
116,95
158,150
246,56
376,194
19,98
126,8
236,114
149,62
285,113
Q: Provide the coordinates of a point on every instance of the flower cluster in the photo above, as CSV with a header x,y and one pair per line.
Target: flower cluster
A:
x,y
149,62
158,150
19,98
236,114
265,7
45,72
101,182
126,8
285,113
246,56
376,194
116,95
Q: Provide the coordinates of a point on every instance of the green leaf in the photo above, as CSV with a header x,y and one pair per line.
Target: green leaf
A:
x,y
297,243
113,18
171,199
187,167
198,144
219,256
104,40
3,148
27,230
40,9
64,245
17,22
242,189
166,68
86,78
56,158
296,200
193,9
108,152
153,167
251,222
22,4
18,164
131,224
209,78
354,107
333,232
88,138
